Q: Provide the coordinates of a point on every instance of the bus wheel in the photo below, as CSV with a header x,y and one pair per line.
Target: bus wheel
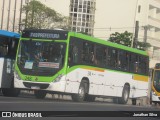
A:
x,y
125,95
10,92
79,97
40,94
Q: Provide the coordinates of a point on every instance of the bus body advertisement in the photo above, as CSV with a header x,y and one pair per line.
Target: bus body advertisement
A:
x,y
8,48
85,67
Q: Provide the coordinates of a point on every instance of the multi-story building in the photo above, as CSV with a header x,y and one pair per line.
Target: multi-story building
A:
x,y
153,35
82,14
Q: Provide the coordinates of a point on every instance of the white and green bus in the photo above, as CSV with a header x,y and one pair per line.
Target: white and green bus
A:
x,y
85,67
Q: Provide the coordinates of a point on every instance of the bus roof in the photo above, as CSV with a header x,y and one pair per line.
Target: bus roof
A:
x,y
111,44
9,34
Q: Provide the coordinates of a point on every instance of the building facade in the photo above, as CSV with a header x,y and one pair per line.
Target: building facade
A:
x,y
82,14
153,25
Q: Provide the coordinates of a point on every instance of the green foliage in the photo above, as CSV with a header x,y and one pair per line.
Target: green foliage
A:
x,y
40,16
121,38
126,39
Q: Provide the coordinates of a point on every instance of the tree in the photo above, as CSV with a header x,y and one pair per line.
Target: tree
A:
x,y
126,39
40,16
121,38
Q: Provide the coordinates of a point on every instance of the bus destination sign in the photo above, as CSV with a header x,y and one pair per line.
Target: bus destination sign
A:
x,y
45,34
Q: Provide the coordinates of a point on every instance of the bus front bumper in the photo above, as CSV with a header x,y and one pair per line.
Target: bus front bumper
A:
x,y
52,86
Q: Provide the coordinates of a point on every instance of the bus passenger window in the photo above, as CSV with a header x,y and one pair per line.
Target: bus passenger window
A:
x,y
3,50
136,68
134,64
114,58
99,60
75,54
88,53
123,60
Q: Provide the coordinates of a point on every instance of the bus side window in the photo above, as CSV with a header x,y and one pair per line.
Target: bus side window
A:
x,y
123,60
136,65
88,53
73,54
3,50
133,63
106,60
143,65
100,54
114,58
108,57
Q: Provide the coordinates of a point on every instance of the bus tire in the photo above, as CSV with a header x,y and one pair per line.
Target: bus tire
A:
x,y
10,92
40,94
125,95
79,97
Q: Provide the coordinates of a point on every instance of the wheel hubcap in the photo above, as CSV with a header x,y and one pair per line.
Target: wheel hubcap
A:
x,y
125,95
81,92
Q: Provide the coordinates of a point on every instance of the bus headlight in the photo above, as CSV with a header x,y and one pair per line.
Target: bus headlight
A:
x,y
16,75
58,78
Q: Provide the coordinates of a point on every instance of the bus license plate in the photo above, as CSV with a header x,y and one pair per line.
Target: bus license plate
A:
x,y
35,87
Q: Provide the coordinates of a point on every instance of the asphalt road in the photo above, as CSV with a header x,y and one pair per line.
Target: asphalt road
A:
x,y
60,109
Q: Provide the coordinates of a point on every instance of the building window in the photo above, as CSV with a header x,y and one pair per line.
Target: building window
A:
x,y
139,8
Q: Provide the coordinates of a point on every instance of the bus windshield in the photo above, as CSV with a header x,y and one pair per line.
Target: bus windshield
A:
x,y
156,80
40,57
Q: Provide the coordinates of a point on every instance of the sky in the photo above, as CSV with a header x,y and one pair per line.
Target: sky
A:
x,y
109,14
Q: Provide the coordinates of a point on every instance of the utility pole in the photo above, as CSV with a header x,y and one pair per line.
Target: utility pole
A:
x,y
136,34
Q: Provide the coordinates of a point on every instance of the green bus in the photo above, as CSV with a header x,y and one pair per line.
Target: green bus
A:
x,y
62,62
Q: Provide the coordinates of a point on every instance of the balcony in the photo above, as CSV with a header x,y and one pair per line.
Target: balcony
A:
x,y
155,3
154,41
154,22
